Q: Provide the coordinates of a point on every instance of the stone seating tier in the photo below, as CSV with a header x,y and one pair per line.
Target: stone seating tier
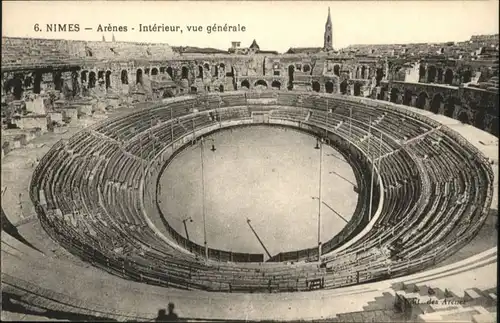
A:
x,y
93,186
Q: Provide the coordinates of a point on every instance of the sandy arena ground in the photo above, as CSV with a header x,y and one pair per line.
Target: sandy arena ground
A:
x,y
268,175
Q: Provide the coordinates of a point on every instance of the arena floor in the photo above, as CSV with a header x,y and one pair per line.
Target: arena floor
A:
x,y
266,174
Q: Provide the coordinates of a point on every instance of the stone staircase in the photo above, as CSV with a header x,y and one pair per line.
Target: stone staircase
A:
x,y
8,316
380,309
431,304
378,120
369,316
364,138
182,125
309,113
491,84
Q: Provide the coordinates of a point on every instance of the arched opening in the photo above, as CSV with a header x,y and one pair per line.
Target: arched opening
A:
x,y
168,93
221,88
291,70
448,76
343,87
481,110
421,100
138,76
185,72
74,83
92,79
261,83
108,79
449,107
58,81
207,66
124,77
88,52
200,72
231,73
431,74
233,76
316,86
38,83
357,72
363,72
276,85
379,76
216,71
421,72
8,85
329,87
383,91
394,95
194,89
439,75
357,89
494,127
479,117
17,87
222,69
306,68
464,117
83,76
170,72
154,71
100,75
28,81
407,97
436,103
245,84
336,70
466,76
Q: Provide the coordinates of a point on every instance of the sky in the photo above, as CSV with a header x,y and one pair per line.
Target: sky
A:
x,y
276,25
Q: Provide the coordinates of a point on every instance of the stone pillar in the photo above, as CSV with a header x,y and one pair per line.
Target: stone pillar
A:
x,y
67,81
427,104
116,80
47,81
399,100
456,110
441,108
413,102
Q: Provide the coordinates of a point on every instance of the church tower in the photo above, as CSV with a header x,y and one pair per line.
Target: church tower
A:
x,y
327,45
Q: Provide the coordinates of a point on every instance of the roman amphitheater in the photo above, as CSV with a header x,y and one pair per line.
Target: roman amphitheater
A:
x,y
145,182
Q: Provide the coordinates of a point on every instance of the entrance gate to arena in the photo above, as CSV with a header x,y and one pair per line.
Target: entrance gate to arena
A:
x,y
260,117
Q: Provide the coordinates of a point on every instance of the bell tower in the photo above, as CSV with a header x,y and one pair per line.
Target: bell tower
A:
x,y
327,44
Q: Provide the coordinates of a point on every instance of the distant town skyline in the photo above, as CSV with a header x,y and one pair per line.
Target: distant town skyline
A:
x,y
275,25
